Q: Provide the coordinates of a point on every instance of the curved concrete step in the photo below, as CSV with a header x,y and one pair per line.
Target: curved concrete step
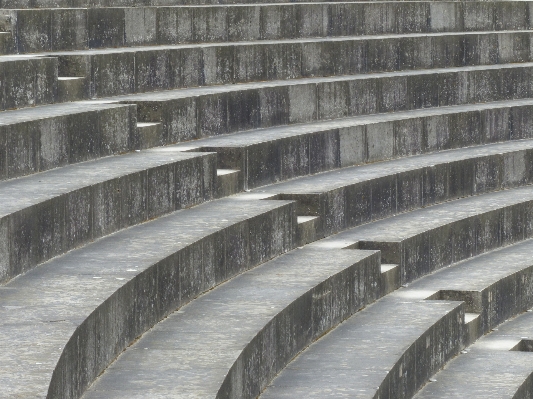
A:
x,y
496,285
497,366
303,149
86,307
48,29
384,351
353,196
47,214
116,71
42,138
270,313
194,113
428,239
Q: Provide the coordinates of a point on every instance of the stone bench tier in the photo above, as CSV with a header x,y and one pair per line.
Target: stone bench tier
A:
x,y
269,314
36,30
496,285
353,196
50,213
85,307
41,138
112,71
194,113
266,156
497,366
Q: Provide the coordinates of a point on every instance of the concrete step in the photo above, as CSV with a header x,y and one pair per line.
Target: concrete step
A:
x,y
194,113
84,308
143,69
71,88
6,43
431,238
495,285
275,154
270,314
228,182
149,134
354,196
75,29
27,81
497,366
41,138
50,213
384,351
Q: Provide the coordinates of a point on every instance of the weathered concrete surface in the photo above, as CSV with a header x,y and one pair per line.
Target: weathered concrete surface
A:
x,y
143,69
269,314
498,285
494,367
38,30
353,196
387,350
42,138
87,306
303,149
27,81
194,113
47,214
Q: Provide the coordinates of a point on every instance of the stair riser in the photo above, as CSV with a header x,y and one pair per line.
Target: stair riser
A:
x,y
68,29
162,288
439,344
359,203
28,82
322,150
165,69
298,325
67,221
37,145
231,111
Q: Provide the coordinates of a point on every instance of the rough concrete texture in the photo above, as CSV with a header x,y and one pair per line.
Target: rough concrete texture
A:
x,y
42,138
270,314
304,149
497,366
86,307
387,350
49,213
194,113
353,196
27,81
143,69
36,30
497,285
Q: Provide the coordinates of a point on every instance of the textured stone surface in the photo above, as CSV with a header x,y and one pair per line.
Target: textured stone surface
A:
x,y
53,212
270,314
62,323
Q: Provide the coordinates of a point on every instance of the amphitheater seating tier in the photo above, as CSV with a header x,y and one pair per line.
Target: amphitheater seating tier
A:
x,y
233,200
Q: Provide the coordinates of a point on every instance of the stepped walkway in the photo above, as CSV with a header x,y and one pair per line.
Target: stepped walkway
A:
x,y
265,199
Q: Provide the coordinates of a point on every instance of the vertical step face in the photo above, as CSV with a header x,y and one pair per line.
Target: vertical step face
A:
x,y
27,81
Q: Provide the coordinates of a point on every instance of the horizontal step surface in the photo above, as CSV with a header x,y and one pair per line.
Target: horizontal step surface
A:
x,y
497,366
63,322
386,350
269,314
361,194
208,111
49,213
304,149
428,239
